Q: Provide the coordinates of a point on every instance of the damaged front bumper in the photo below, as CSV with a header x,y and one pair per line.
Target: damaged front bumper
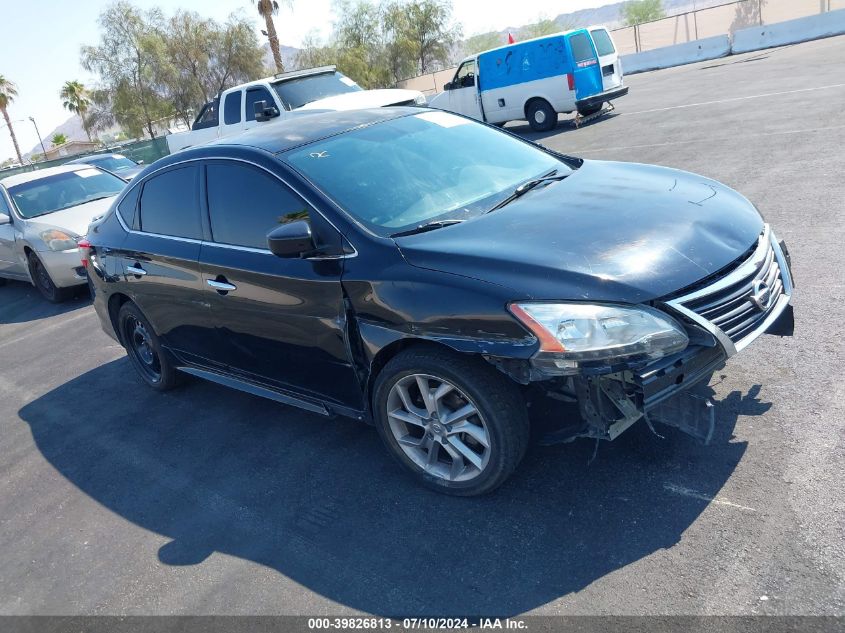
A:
x,y
722,318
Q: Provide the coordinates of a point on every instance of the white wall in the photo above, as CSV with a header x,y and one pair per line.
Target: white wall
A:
x,y
668,56
790,32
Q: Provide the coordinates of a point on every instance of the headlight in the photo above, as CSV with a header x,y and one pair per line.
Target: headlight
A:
x,y
574,332
58,240
420,100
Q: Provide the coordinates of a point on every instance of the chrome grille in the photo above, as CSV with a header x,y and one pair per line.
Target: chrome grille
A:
x,y
740,305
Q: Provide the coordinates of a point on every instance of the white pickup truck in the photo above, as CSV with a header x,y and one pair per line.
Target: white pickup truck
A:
x,y
263,101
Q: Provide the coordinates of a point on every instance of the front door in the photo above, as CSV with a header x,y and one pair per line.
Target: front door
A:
x,y
281,321
585,65
463,94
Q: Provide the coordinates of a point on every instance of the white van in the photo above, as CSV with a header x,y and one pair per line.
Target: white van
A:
x,y
247,105
536,79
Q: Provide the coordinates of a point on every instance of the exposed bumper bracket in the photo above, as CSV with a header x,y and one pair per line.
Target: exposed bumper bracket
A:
x,y
688,412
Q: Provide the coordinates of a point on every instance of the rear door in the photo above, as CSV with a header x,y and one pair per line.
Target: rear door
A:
x,y
611,70
585,64
160,262
281,322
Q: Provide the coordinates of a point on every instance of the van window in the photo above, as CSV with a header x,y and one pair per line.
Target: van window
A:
x,y
169,204
253,96
465,76
245,204
581,49
604,45
232,108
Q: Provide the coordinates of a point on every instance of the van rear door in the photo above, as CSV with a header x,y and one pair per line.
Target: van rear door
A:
x,y
585,64
611,69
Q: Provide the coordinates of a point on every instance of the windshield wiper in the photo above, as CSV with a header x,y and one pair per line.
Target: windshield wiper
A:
x,y
525,188
430,226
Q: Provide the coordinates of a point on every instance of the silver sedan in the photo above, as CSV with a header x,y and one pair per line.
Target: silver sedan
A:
x,y
42,215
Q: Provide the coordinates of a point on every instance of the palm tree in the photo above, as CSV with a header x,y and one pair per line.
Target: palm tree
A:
x,y
8,92
267,9
75,98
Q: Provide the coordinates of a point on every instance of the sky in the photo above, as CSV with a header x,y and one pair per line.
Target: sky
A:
x,y
40,42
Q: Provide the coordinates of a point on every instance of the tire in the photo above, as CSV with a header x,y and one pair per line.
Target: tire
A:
x,y
44,283
591,110
541,116
144,349
412,433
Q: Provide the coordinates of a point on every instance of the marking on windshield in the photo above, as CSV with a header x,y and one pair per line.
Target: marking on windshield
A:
x,y
319,154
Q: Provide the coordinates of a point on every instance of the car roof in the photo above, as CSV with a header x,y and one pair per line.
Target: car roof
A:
x,y
302,128
38,174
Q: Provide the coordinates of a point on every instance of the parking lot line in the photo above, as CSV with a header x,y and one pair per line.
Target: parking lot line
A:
x,y
733,99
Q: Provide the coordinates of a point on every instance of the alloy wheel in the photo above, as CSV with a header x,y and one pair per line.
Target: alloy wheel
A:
x,y
438,427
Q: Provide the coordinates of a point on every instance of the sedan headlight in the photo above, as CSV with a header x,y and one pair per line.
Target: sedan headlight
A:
x,y
576,332
58,240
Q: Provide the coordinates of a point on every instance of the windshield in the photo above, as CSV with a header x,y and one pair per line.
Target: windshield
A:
x,y
295,93
114,163
62,191
405,172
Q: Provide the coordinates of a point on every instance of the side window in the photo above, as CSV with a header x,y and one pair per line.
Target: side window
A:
x,y
128,206
253,96
232,108
604,45
4,206
465,77
207,116
170,205
245,204
581,49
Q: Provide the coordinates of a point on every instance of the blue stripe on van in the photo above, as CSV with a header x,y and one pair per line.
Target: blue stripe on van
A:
x,y
523,62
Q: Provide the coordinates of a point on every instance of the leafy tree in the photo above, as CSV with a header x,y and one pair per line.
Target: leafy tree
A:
x,y
421,31
74,98
8,92
267,9
124,59
483,42
639,11
99,115
543,26
747,14
58,139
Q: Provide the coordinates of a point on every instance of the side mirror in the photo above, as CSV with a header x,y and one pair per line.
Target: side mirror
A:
x,y
5,219
448,85
263,112
140,162
291,240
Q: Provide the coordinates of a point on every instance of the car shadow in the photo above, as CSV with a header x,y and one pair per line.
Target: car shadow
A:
x,y
20,302
565,125
321,502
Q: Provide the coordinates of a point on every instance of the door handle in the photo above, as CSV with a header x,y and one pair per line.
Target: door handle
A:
x,y
221,286
135,269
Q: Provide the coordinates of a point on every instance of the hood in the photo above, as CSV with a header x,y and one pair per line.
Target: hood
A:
x,y
609,232
364,99
76,219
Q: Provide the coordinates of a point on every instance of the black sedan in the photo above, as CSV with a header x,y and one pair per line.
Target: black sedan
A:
x,y
431,275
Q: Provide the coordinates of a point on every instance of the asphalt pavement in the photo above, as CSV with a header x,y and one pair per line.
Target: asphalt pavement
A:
x,y
118,500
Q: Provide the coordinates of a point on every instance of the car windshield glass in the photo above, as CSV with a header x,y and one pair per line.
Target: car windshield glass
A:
x,y
295,93
405,172
61,191
115,164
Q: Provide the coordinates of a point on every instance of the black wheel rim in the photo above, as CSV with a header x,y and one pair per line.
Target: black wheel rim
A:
x,y
141,350
42,278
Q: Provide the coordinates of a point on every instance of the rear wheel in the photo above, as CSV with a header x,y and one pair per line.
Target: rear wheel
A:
x,y
456,423
541,116
144,349
590,110
44,283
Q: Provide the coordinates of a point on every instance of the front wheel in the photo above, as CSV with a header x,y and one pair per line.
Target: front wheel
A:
x,y
541,115
44,283
456,423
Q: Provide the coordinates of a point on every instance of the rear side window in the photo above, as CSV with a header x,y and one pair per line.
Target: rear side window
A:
x,y
245,204
232,108
253,96
128,206
581,49
604,45
169,204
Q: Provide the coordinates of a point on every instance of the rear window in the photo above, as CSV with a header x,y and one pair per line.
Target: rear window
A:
x,y
581,49
169,204
604,45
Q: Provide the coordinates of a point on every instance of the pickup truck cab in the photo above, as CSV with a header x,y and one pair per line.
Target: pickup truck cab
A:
x,y
272,99
536,79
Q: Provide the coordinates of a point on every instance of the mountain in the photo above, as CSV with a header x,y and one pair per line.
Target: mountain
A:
x,y
288,54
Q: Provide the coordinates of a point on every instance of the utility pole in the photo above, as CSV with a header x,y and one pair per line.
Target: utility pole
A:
x,y
43,149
